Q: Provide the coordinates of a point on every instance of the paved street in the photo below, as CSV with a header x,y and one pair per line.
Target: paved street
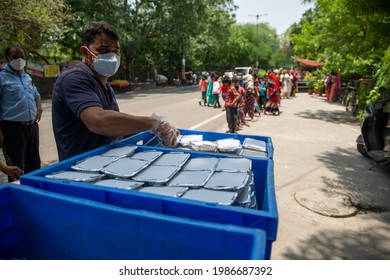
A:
x,y
316,157
317,171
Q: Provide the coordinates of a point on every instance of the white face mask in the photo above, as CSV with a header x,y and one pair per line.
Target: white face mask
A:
x,y
106,64
18,64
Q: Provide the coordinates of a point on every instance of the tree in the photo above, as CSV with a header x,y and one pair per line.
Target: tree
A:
x,y
32,24
154,33
345,35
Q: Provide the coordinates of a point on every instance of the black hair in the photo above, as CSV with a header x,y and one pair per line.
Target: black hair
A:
x,y
92,29
9,48
226,80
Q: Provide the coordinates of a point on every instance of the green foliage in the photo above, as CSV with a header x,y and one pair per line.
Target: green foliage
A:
x,y
319,86
314,80
310,79
383,73
155,34
32,24
350,35
345,34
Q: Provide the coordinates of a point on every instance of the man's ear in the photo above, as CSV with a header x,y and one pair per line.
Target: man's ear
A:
x,y
84,51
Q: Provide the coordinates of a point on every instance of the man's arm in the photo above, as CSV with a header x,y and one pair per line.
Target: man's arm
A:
x,y
114,124
38,102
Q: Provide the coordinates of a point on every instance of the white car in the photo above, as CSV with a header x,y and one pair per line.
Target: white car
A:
x,y
229,74
244,70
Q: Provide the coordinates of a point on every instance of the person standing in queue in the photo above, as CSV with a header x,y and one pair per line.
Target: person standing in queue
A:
x,y
20,112
231,103
272,106
85,113
203,89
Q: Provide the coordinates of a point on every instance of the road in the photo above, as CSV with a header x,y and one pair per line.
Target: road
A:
x,y
316,165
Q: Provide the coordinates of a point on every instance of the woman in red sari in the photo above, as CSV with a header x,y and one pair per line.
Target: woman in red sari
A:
x,y
335,89
272,106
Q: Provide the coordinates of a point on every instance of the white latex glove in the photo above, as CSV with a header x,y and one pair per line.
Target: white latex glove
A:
x,y
166,132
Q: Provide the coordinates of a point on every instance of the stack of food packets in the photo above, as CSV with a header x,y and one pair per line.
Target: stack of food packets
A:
x,y
223,181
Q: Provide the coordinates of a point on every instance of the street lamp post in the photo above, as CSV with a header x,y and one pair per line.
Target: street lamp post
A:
x,y
257,37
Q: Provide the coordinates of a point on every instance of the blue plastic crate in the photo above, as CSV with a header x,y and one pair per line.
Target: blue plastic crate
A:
x,y
264,218
149,139
36,224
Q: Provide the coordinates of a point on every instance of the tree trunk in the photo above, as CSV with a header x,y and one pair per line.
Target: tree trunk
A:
x,y
129,65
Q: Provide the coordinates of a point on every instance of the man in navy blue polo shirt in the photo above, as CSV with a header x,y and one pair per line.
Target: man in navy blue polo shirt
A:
x,y
20,112
84,109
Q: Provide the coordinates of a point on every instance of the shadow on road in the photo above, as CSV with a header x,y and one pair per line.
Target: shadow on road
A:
x,y
338,117
347,245
370,193
354,178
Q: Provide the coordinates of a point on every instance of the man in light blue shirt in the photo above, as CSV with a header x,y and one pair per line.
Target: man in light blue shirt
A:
x,y
20,112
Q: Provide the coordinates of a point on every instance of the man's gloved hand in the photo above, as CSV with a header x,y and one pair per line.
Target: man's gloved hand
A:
x,y
165,131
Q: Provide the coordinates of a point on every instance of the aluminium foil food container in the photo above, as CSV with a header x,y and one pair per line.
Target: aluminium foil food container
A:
x,y
75,176
125,167
93,163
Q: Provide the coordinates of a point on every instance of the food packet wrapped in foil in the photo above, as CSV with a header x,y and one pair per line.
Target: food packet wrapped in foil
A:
x,y
76,176
219,197
186,140
204,146
254,144
247,196
191,179
231,146
125,167
232,181
119,184
201,163
119,152
93,163
234,164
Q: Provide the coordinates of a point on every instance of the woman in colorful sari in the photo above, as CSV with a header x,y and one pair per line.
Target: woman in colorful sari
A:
x,y
335,88
272,106
209,93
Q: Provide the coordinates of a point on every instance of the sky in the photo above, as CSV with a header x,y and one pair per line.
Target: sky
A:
x,y
280,13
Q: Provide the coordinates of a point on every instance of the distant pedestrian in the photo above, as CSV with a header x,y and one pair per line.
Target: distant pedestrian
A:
x,y
272,106
209,94
287,84
232,97
249,97
328,85
294,81
240,120
203,89
224,89
335,88
194,79
217,92
262,94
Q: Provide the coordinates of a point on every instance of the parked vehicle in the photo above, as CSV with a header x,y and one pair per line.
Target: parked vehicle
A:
x,y
229,74
244,70
188,79
177,82
161,80
374,141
